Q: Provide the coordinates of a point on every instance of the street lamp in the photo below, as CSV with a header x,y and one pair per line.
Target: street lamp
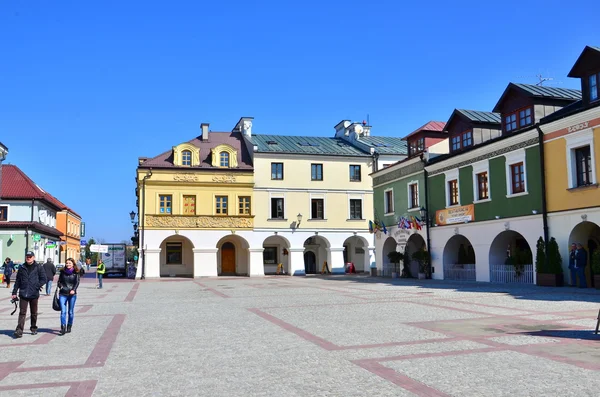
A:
x,y
132,216
299,217
423,212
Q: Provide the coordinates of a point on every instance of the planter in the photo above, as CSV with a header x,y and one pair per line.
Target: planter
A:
x,y
422,276
597,281
549,280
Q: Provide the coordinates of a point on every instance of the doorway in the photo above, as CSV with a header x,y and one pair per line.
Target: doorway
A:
x,y
592,248
228,258
310,263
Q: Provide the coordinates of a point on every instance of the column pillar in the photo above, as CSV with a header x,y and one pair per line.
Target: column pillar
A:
x,y
370,261
336,263
205,262
296,264
256,266
152,264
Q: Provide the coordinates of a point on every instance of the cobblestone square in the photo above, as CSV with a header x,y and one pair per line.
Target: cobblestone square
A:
x,y
308,336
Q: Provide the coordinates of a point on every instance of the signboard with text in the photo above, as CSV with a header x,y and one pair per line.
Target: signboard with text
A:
x,y
99,248
461,214
82,229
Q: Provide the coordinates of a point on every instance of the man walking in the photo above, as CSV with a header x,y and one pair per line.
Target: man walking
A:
x,y
50,271
100,272
9,267
572,268
580,264
31,277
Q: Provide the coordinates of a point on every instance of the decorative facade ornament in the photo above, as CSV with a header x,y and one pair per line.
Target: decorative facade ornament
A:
x,y
506,225
584,217
185,178
198,222
229,178
247,128
455,230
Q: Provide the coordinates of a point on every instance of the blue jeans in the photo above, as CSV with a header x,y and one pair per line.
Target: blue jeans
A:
x,y
581,274
100,280
64,300
48,287
573,276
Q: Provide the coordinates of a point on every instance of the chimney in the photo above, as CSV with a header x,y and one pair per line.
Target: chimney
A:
x,y
244,126
204,127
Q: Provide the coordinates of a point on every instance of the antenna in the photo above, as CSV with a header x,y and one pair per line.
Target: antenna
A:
x,y
542,79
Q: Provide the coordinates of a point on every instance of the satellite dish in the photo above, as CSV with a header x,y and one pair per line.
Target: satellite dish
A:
x,y
358,128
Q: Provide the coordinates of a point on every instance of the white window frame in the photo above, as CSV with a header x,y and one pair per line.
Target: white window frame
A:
x,y
277,195
451,176
575,141
385,206
478,168
362,206
518,156
312,196
409,198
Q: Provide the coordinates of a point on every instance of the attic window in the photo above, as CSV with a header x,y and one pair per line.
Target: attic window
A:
x,y
307,144
272,143
381,145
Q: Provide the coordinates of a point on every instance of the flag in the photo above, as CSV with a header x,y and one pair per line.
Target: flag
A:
x,y
383,228
418,223
371,227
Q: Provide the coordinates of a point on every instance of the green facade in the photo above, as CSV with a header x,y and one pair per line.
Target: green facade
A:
x,y
14,248
499,205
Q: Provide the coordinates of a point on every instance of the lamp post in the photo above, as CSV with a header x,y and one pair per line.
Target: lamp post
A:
x,y
425,216
141,223
299,218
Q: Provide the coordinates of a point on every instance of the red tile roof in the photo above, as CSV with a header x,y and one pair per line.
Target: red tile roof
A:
x,y
433,126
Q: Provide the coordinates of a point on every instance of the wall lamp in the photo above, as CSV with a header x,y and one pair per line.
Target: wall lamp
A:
x,y
299,218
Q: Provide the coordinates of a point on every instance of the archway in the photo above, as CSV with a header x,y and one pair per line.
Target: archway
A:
x,y
390,245
232,256
511,259
459,259
415,243
176,257
310,262
356,250
318,246
276,250
588,234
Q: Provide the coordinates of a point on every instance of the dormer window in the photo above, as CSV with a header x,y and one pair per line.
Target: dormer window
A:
x,y
416,146
186,158
467,139
224,159
519,119
594,86
462,140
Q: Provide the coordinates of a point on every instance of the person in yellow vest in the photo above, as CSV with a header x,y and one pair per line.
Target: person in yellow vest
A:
x,y
280,268
325,268
100,272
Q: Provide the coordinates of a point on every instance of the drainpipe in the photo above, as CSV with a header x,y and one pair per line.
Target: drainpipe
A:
x,y
143,211
543,179
426,177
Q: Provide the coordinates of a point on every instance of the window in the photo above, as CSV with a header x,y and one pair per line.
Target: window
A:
x,y
482,186
594,87
316,172
355,173
455,143
189,205
165,203
277,171
244,205
186,158
416,146
316,209
224,159
270,256
277,208
522,118
453,192
413,195
517,178
389,201
174,253
355,209
583,166
221,205
467,139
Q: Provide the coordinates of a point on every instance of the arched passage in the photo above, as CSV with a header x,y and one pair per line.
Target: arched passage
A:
x,y
414,243
390,245
318,246
587,234
276,251
232,256
356,250
176,257
459,259
510,252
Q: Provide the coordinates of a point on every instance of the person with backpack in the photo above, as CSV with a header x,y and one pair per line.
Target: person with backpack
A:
x,y
68,282
31,277
100,272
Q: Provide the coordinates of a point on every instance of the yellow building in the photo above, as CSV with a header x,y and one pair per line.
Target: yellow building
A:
x,y
572,150
195,206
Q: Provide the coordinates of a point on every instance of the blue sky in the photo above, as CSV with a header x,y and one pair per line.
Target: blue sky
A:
x,y
86,87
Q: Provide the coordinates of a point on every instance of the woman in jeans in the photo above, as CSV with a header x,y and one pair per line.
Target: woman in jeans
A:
x,y
68,281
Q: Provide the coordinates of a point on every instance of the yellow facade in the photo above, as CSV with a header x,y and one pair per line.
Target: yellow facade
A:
x,y
298,190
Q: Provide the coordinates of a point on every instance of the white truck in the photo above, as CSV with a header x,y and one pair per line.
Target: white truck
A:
x,y
114,259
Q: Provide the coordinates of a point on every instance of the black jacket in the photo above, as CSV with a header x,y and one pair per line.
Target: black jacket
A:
x,y
50,270
30,278
67,282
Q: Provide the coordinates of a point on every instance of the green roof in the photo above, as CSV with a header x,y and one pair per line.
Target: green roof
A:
x,y
385,144
479,116
305,145
538,91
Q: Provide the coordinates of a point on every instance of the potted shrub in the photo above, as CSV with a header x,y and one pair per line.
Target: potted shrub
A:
x,y
596,268
549,270
422,257
395,257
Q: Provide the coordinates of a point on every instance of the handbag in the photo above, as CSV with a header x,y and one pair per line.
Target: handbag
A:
x,y
55,301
